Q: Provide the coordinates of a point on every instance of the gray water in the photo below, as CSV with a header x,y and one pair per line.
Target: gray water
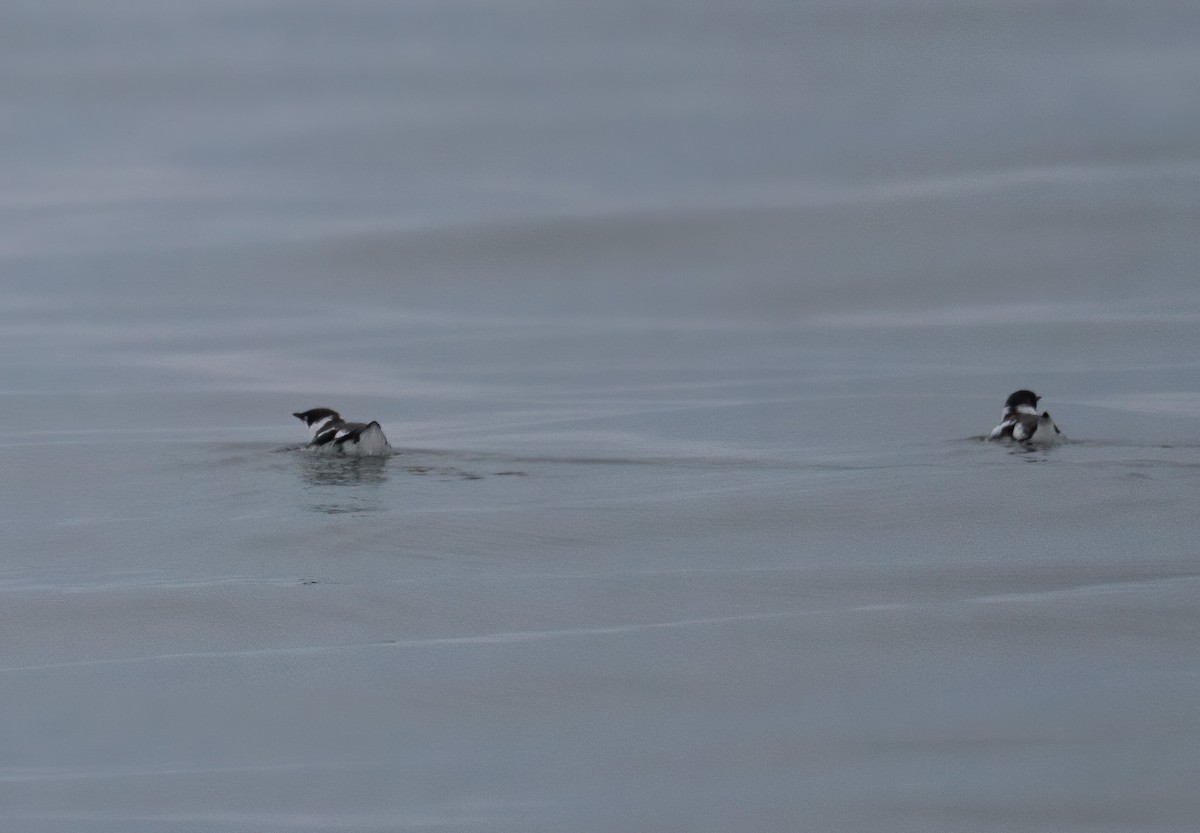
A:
x,y
685,320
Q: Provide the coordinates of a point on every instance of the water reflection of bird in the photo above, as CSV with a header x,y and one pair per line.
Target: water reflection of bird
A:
x,y
337,471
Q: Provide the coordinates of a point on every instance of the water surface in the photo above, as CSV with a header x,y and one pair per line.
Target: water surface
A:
x,y
685,321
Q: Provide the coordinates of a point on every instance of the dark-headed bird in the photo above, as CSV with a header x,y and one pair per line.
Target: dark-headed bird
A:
x,y
332,434
1021,422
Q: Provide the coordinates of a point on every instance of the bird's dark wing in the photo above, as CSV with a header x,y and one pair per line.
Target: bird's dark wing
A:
x,y
1023,426
1004,430
325,437
349,432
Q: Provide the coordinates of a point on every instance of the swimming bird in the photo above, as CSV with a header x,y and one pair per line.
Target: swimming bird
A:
x,y
332,434
1021,422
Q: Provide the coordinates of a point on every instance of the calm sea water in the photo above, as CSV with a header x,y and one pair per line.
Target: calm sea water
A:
x,y
685,320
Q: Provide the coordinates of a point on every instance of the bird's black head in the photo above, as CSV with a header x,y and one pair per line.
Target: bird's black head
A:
x,y
1022,397
316,415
